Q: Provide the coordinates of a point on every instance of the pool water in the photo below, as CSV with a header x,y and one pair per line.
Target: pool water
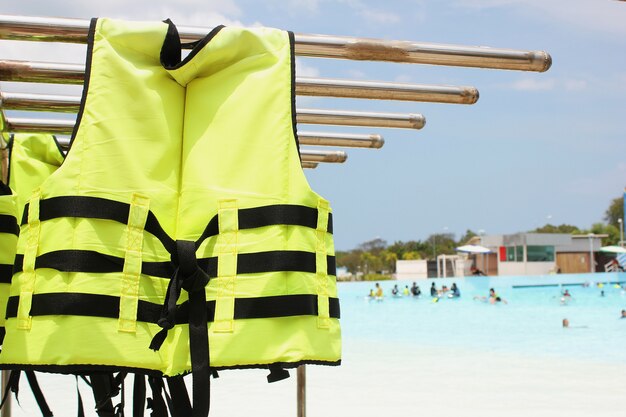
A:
x,y
530,323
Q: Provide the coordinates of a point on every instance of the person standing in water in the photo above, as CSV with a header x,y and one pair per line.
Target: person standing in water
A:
x,y
433,290
415,290
455,291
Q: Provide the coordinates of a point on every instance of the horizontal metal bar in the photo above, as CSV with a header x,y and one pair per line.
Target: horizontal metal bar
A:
x,y
377,90
70,104
65,127
350,140
56,73
26,125
358,118
311,45
338,157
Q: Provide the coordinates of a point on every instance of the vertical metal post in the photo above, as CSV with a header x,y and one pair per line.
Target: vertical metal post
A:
x,y
6,409
592,261
301,372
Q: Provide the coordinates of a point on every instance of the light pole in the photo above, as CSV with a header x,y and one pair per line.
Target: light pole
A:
x,y
592,261
621,232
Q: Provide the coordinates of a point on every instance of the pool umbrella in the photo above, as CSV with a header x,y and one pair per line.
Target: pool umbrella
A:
x,y
473,249
613,249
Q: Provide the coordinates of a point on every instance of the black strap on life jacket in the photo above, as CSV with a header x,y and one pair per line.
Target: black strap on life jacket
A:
x,y
98,305
80,407
8,224
156,402
13,386
180,404
105,387
36,389
78,260
191,278
139,395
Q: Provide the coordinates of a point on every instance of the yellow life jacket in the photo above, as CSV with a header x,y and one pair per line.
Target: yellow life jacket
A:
x,y
180,219
32,158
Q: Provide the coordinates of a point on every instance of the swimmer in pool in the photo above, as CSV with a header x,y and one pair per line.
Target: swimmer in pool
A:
x,y
415,290
492,298
455,291
379,292
395,290
623,316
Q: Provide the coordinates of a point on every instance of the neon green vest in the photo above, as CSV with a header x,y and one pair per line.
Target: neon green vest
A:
x,y
32,158
181,201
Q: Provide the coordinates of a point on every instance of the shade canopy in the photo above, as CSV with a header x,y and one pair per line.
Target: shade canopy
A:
x,y
613,249
473,249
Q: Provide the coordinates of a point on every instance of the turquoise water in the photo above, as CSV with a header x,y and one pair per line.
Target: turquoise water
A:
x,y
530,324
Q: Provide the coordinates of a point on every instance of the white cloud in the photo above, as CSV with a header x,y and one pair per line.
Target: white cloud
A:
x,y
575,85
531,84
311,6
305,70
356,74
599,16
378,16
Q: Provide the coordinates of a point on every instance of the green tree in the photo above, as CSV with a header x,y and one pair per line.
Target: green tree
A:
x,y
349,259
466,237
562,228
389,260
411,256
608,229
374,246
615,211
441,243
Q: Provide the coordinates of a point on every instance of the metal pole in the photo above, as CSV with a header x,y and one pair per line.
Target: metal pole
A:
x,y
301,373
311,45
341,139
323,156
71,104
621,232
592,261
6,408
59,73
65,127
309,165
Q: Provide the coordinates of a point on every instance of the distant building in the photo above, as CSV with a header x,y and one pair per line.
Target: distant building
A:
x,y
543,253
412,270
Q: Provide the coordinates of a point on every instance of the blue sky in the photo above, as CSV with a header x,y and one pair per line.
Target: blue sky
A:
x,y
536,147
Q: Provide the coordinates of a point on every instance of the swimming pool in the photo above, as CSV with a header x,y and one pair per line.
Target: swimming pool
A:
x,y
530,324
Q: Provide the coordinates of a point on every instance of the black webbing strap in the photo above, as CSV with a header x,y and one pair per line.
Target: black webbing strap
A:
x,y
80,407
156,403
247,263
102,208
13,385
98,305
91,262
181,406
103,387
139,395
6,273
8,224
191,278
96,208
36,389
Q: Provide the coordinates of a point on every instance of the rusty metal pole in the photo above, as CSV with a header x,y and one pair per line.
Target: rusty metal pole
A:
x,y
301,372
